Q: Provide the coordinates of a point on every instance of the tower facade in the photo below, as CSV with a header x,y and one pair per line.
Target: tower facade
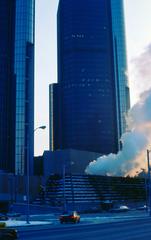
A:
x,y
92,95
16,84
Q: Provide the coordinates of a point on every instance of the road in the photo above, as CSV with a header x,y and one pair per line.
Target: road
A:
x,y
128,230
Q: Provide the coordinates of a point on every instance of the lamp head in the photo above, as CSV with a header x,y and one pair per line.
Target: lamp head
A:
x,y
42,127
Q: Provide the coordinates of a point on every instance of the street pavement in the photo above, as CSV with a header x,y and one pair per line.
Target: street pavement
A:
x,y
91,226
136,229
53,218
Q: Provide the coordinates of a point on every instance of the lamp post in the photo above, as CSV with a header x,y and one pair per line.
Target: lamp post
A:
x,y
28,179
149,182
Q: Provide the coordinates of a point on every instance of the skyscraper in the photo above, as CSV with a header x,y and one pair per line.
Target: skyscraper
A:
x,y
16,84
89,103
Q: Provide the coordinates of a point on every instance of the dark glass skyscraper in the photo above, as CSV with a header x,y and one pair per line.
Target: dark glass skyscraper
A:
x,y
16,84
89,103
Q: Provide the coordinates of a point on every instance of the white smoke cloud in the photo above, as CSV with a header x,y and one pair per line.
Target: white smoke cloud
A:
x,y
135,142
141,112
140,73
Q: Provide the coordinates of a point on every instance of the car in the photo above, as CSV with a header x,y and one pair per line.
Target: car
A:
x,y
72,217
3,217
122,208
8,234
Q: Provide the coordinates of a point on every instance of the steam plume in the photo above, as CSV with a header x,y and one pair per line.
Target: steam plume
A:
x,y
132,157
140,72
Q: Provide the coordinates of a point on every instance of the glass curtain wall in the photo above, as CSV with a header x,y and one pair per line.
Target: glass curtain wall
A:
x,y
24,71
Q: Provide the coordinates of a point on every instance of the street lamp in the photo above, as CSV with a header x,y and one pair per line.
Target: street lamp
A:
x,y
149,182
28,179
41,127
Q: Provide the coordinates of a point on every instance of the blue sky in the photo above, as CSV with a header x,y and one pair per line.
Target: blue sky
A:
x,y
138,33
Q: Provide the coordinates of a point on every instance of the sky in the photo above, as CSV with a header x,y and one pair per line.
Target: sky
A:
x,y
138,38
